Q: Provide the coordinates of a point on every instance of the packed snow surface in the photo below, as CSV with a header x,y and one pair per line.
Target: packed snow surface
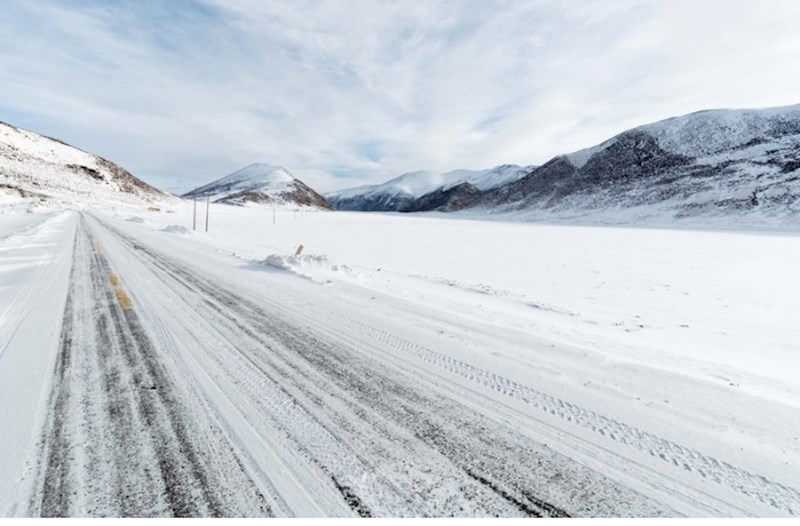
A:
x,y
396,365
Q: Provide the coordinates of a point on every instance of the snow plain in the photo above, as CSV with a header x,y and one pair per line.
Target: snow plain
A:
x,y
664,360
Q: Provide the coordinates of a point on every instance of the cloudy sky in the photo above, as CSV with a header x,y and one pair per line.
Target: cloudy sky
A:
x,y
344,93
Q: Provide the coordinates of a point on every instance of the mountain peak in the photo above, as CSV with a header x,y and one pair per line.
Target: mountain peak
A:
x,y
260,183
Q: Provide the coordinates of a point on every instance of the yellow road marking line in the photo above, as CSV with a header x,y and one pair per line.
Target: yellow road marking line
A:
x,y
122,297
124,301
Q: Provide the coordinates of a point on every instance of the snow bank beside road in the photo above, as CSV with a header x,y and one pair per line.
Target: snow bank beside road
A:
x,y
176,229
35,262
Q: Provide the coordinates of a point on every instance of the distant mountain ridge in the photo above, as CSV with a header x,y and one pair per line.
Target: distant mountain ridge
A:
x,y
260,183
708,164
38,169
400,194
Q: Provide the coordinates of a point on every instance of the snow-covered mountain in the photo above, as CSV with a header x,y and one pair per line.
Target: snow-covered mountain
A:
x,y
448,199
720,163
41,170
400,193
260,183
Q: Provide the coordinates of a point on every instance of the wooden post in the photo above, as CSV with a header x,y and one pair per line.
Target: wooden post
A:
x,y
207,206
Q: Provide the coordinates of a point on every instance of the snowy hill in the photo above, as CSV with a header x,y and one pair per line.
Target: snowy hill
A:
x,y
41,170
260,183
716,163
400,193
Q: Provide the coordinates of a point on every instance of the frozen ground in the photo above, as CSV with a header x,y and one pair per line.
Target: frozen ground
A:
x,y
399,365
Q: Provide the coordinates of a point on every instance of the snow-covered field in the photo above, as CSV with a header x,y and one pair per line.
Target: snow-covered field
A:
x,y
644,371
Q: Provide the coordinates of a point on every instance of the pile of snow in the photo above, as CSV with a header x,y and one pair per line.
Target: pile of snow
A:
x,y
174,229
309,265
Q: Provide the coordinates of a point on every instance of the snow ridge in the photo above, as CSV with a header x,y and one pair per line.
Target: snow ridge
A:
x,y
38,169
709,131
705,168
400,192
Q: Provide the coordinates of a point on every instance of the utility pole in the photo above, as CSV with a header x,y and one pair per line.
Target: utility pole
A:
x,y
194,214
207,206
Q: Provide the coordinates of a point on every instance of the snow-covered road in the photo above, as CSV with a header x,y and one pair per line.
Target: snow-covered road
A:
x,y
325,426
125,435
182,382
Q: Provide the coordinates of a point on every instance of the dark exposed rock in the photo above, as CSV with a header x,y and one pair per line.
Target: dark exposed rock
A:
x,y
302,195
450,200
372,203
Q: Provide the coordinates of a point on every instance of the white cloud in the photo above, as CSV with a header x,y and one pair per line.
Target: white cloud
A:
x,y
181,92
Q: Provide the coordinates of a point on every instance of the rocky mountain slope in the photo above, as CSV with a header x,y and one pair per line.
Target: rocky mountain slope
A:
x,y
401,193
45,171
451,199
716,163
260,184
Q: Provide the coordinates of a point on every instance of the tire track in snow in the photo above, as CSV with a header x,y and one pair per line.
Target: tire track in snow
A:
x,y
122,438
483,454
776,495
288,397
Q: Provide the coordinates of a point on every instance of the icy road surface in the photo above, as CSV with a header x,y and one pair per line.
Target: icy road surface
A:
x,y
168,380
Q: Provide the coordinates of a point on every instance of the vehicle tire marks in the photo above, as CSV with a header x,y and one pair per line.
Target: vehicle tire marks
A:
x,y
495,458
122,438
293,397
759,488
774,494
